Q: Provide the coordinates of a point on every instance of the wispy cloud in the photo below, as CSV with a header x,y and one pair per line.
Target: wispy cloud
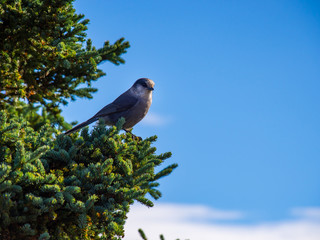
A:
x,y
154,119
182,212
310,213
191,222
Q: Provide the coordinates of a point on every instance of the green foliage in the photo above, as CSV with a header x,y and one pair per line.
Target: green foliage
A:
x,y
36,116
45,56
144,237
73,187
54,186
21,170
142,234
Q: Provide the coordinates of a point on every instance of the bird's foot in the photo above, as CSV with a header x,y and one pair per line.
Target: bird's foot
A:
x,y
134,137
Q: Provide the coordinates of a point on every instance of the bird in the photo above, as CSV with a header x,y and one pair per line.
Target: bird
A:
x,y
132,105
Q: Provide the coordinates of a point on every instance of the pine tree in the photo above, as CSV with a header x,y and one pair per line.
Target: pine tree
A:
x,y
45,55
73,188
54,186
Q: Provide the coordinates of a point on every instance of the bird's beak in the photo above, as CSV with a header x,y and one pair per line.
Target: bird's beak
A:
x,y
151,88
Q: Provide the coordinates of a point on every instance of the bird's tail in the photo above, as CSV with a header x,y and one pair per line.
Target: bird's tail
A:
x,y
81,125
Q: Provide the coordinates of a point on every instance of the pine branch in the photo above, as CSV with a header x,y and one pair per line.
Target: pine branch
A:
x,y
82,185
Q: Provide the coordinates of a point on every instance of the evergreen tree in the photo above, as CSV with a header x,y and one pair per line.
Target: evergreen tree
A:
x,y
45,55
72,188
54,186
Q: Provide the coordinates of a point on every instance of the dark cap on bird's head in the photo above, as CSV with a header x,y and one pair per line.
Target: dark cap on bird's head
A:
x,y
145,82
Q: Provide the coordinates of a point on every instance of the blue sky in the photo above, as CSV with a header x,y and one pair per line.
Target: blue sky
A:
x,y
236,97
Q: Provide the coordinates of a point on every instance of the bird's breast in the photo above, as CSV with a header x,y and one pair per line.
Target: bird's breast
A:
x,y
137,112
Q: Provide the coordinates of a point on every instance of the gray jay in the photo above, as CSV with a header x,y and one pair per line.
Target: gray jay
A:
x,y
132,105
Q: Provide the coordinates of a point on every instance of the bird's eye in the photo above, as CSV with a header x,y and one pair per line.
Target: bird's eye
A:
x,y
144,85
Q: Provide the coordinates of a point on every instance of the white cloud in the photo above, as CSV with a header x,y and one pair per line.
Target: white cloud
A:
x,y
182,212
191,222
154,119
311,213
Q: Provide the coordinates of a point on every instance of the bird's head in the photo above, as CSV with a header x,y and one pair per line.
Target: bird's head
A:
x,y
143,86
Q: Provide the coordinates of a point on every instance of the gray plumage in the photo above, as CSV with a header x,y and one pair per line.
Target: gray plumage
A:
x,y
133,105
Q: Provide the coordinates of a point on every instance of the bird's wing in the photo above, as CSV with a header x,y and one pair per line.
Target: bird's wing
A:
x,y
124,102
